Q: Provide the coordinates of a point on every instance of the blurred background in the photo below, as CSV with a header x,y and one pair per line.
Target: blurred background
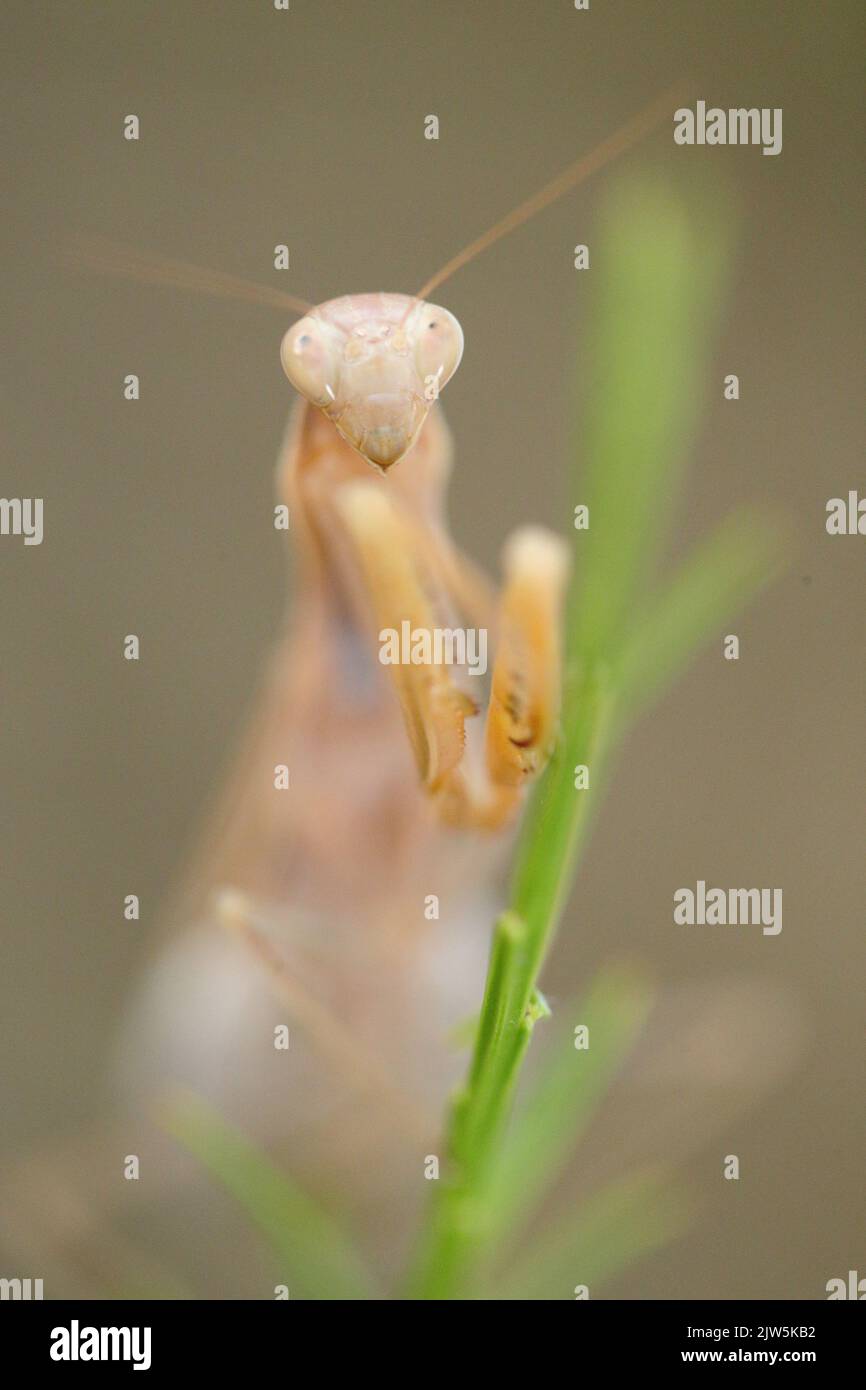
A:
x,y
258,128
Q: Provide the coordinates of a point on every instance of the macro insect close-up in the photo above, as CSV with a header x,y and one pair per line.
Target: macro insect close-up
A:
x,y
420,900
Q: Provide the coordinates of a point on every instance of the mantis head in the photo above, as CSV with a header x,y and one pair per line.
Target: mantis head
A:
x,y
374,364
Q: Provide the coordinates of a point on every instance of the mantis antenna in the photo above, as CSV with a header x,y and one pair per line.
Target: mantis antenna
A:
x,y
623,139
109,257
113,258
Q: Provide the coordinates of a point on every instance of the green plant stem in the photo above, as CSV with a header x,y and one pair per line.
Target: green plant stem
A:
x,y
658,281
558,817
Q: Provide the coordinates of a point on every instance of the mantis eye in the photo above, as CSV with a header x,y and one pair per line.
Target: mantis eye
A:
x,y
306,360
438,343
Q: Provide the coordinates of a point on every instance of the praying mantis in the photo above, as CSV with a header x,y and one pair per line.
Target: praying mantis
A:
x,y
364,798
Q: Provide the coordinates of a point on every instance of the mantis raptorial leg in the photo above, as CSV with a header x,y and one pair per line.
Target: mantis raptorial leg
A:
x,y
361,1067
523,711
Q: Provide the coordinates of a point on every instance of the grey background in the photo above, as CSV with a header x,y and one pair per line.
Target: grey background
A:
x,y
260,128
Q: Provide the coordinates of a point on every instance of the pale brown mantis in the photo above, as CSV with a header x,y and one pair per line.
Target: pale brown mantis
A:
x,y
373,551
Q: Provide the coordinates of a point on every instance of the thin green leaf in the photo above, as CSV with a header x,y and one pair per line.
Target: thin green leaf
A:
x,y
657,280
313,1250
719,577
609,1231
